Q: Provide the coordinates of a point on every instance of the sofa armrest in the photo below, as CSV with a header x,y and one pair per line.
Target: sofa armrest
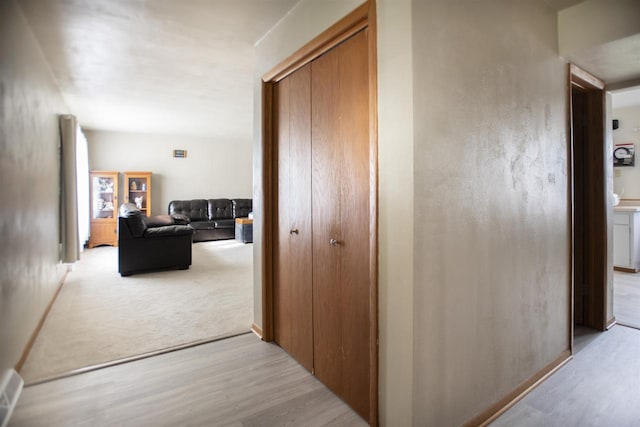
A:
x,y
158,221
169,230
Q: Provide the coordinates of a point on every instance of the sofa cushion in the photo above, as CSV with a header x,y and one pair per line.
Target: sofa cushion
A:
x,y
224,223
203,225
135,219
158,221
195,209
220,209
242,207
169,230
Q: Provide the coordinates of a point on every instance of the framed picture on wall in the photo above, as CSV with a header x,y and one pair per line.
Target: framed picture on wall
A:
x,y
624,154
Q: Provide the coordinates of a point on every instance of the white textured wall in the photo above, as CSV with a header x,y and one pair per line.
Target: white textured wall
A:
x,y
29,175
491,297
212,169
396,210
627,179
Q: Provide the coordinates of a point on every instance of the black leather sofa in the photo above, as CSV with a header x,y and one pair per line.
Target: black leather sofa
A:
x,y
155,243
212,219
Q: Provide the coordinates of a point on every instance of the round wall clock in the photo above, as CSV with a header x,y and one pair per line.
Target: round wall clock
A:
x,y
621,153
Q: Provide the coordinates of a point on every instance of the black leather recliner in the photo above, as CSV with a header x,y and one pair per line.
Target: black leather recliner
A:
x,y
146,244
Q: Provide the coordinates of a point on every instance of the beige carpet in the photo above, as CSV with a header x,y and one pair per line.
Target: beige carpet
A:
x,y
100,317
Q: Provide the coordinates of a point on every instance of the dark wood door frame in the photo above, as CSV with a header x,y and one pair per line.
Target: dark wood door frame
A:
x,y
595,159
361,18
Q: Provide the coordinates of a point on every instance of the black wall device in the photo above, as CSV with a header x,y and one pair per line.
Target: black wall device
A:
x,y
616,124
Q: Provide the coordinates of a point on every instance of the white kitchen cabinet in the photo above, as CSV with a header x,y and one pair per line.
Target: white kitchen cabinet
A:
x,y
626,238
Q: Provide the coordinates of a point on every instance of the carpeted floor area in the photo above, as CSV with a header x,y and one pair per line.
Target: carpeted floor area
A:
x,y
100,317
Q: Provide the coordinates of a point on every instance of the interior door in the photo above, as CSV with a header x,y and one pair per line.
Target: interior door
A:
x,y
591,164
341,220
293,317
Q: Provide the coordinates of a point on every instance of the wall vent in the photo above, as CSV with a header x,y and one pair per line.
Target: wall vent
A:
x,y
10,389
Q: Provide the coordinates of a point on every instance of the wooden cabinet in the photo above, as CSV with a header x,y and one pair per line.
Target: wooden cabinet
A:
x,y
104,208
626,239
322,278
137,190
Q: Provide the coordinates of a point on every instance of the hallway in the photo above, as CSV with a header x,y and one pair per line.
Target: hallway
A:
x,y
243,381
598,388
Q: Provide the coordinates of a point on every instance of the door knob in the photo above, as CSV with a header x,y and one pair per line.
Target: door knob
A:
x,y
334,242
293,231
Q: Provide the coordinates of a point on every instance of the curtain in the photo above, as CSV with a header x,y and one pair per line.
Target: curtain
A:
x,y
69,240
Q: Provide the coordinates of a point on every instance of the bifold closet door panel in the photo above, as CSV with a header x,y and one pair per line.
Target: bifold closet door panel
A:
x,y
326,176
282,279
340,180
355,220
293,317
299,206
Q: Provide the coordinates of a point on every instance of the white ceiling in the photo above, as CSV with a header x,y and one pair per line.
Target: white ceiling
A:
x,y
625,98
613,62
601,37
185,67
163,66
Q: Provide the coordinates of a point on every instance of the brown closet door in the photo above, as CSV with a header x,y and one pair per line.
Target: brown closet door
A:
x,y
293,317
340,180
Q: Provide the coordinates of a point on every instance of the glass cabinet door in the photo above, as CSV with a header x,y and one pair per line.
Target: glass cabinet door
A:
x,y
103,200
104,208
138,190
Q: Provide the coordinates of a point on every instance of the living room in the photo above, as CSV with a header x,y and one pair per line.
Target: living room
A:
x,y
212,167
138,104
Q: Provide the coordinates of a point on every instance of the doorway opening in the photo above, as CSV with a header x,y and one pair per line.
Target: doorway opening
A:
x,y
626,216
589,240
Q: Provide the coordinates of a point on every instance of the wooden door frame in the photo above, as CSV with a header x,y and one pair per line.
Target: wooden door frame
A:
x,y
596,238
362,17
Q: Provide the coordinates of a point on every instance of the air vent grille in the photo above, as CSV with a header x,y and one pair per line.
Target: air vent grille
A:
x,y
10,389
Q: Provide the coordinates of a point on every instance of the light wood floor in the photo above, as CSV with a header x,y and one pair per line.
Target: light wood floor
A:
x,y
240,381
245,382
626,298
600,387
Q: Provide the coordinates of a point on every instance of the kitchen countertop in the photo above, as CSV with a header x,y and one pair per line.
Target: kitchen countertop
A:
x,y
626,208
